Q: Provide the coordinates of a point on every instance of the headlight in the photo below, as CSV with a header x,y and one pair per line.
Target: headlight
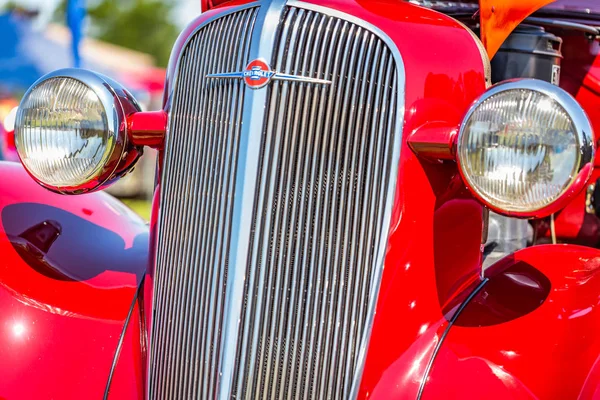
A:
x,y
523,146
70,131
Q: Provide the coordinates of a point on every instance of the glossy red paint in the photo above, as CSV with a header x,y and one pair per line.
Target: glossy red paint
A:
x,y
9,140
147,128
573,224
580,76
206,5
68,272
531,332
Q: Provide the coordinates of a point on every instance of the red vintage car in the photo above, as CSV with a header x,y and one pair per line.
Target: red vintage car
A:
x,y
345,207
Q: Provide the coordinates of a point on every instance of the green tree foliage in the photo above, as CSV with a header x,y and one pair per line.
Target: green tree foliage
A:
x,y
10,5
142,25
15,7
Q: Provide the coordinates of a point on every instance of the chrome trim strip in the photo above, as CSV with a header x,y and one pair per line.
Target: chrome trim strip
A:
x,y
296,78
117,354
226,75
276,77
440,342
379,265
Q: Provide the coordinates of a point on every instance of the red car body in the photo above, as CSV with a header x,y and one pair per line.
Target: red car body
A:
x,y
77,273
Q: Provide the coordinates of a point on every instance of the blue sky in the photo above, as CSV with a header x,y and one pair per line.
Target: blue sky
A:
x,y
185,12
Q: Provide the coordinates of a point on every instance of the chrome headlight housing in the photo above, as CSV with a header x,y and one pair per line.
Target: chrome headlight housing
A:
x,y
525,147
71,131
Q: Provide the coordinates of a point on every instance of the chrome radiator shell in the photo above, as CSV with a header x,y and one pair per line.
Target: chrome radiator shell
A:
x,y
275,206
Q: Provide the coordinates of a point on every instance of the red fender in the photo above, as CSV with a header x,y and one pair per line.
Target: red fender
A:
x,y
580,76
70,267
531,332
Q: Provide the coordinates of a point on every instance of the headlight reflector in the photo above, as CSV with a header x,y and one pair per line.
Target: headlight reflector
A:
x,y
522,146
63,136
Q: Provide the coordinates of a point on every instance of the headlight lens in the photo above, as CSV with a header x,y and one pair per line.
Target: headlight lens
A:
x,y
522,146
63,136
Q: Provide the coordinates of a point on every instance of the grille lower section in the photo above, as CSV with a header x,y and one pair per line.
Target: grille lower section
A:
x,y
195,223
326,162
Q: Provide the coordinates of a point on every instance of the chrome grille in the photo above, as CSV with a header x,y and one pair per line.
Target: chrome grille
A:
x,y
305,225
325,172
198,181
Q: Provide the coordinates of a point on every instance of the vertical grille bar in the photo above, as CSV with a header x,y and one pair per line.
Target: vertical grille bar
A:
x,y
195,222
323,185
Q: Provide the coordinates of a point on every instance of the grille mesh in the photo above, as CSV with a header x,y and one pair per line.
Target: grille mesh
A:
x,y
195,222
326,163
